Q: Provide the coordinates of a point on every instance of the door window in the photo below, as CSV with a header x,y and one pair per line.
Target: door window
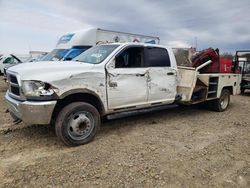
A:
x,y
157,57
130,58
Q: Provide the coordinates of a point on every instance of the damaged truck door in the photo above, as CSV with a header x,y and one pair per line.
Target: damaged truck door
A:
x,y
127,79
140,75
162,75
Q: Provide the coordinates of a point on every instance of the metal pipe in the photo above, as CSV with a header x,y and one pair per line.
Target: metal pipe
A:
x,y
203,65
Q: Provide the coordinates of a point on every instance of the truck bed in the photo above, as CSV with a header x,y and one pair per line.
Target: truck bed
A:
x,y
194,87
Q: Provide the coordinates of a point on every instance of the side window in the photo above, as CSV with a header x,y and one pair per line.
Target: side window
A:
x,y
8,60
130,58
157,57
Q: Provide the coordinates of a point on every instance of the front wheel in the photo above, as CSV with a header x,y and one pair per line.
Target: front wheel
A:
x,y
222,103
77,123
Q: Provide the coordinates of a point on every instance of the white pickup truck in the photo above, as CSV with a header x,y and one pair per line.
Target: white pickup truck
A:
x,y
109,80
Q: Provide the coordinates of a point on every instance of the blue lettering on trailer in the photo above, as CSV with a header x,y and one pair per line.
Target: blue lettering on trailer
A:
x,y
65,38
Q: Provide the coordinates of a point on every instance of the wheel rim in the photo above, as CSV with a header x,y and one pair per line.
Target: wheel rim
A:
x,y
80,125
224,102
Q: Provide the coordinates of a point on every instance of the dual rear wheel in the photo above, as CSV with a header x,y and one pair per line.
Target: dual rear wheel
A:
x,y
222,103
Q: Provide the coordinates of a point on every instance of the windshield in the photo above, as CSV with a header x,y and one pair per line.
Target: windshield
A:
x,y
96,54
74,52
55,55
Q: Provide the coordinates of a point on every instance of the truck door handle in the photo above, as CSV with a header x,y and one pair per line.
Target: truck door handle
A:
x,y
140,75
170,73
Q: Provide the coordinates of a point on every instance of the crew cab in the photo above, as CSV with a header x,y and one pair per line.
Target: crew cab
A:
x,y
108,80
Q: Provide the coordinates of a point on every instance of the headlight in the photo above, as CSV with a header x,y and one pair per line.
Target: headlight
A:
x,y
36,89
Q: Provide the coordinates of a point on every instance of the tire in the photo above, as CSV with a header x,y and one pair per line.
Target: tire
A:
x,y
221,104
77,123
242,90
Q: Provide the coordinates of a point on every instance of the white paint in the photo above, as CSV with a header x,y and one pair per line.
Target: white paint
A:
x,y
162,84
93,36
186,82
122,87
127,87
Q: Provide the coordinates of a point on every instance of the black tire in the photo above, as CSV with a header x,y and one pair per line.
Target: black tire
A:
x,y
77,123
221,104
242,90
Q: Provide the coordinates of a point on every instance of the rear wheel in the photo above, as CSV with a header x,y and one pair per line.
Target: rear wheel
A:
x,y
242,90
222,103
77,123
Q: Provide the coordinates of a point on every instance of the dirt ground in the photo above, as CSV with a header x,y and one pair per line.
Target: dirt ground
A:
x,y
180,147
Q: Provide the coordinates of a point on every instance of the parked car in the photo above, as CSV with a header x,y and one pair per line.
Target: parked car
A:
x,y
8,61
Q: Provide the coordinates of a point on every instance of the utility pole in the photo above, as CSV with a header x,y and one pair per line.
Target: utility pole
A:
x,y
196,43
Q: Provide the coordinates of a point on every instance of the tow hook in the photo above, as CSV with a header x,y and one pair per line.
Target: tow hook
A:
x,y
16,120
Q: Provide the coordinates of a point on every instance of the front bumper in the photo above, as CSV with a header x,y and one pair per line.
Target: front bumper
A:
x,y
31,112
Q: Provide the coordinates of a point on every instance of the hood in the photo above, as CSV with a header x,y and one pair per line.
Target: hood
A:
x,y
48,71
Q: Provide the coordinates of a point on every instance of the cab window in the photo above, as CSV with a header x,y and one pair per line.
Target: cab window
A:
x,y
130,58
157,57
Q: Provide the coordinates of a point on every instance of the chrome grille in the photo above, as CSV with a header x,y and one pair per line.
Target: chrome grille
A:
x,y
13,79
15,90
14,87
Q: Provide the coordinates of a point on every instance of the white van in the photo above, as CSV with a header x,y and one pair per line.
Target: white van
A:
x,y
73,44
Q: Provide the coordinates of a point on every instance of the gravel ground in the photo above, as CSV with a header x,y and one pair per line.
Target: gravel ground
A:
x,y
180,147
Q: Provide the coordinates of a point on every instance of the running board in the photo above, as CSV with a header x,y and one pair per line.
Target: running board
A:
x,y
140,111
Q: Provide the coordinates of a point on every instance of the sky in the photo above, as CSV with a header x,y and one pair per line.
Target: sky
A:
x,y
37,24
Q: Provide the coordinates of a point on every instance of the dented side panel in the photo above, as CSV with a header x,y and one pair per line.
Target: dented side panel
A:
x,y
91,81
126,87
161,84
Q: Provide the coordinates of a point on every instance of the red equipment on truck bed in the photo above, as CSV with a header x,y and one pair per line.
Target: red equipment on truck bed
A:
x,y
226,65
218,65
203,57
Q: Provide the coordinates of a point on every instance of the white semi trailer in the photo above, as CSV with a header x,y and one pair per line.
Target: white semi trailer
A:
x,y
74,43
